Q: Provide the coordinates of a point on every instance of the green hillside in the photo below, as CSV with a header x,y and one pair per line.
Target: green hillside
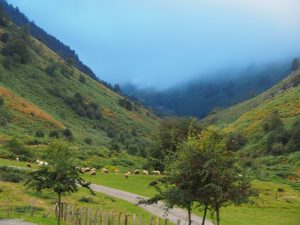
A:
x,y
44,98
266,131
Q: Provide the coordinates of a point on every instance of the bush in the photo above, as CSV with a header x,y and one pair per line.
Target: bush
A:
x,y
68,134
5,38
1,101
54,134
51,70
82,79
39,134
18,149
8,63
86,200
272,122
79,104
11,175
17,48
89,141
126,104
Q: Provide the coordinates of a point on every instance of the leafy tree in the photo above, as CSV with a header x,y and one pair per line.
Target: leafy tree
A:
x,y
61,176
294,142
40,134
3,17
18,47
18,149
82,79
295,64
5,38
51,70
272,122
276,140
54,134
203,171
8,63
117,88
68,134
172,131
89,141
126,104
1,101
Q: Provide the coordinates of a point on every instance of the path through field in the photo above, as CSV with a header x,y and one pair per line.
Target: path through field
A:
x,y
14,222
155,209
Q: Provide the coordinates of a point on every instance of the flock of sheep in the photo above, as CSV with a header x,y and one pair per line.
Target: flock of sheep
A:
x,y
92,171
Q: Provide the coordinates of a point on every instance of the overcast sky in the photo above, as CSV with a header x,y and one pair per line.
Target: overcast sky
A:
x,y
163,42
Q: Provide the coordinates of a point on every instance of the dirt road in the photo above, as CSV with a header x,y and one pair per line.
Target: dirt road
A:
x,y
14,222
156,209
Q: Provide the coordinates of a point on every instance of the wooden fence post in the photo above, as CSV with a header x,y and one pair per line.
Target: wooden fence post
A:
x,y
166,221
151,220
119,218
101,217
86,216
80,216
126,219
112,217
141,220
95,216
133,219
178,222
31,208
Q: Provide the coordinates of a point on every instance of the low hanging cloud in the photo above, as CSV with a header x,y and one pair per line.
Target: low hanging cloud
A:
x,y
162,43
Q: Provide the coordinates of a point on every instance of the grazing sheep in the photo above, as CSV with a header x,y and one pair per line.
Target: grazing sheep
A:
x,y
116,171
93,171
82,170
42,163
87,169
156,172
17,159
104,170
136,172
126,175
28,165
145,172
129,172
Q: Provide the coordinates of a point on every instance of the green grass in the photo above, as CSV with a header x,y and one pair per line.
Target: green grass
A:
x,y
271,207
14,196
138,184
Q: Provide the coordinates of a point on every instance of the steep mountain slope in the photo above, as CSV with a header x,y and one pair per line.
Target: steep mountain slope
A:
x,y
265,130
44,97
61,49
199,97
282,97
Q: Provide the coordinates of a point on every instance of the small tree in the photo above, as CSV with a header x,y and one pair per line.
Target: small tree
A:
x,y
5,38
1,101
60,176
295,64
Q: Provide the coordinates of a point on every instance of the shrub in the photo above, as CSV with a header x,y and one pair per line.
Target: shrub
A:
x,y
1,101
126,104
88,141
40,134
54,134
10,174
68,134
18,48
8,63
280,189
82,79
5,38
79,104
18,149
86,200
272,122
51,70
